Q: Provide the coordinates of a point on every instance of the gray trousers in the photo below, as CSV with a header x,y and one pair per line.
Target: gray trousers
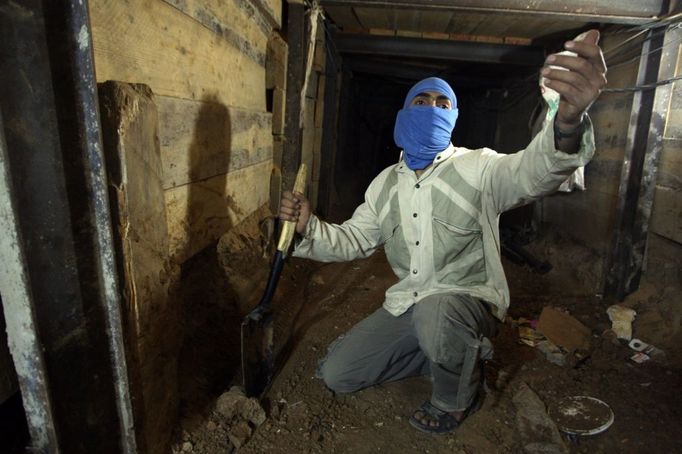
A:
x,y
444,335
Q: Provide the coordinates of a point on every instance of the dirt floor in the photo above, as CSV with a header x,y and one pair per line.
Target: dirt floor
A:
x,y
315,303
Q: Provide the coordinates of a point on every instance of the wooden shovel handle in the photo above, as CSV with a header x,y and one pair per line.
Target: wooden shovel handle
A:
x,y
289,227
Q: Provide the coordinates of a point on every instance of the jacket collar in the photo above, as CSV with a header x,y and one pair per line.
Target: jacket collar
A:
x,y
440,157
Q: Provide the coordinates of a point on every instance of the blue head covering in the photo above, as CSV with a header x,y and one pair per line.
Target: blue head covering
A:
x,y
424,131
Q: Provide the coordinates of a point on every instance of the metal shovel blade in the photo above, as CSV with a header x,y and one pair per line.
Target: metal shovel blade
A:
x,y
257,337
257,353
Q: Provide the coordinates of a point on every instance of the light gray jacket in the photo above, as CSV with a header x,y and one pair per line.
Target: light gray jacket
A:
x,y
440,231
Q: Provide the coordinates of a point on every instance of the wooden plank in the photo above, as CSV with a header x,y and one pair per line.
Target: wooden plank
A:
x,y
276,62
496,26
381,32
270,9
320,56
153,43
276,7
465,23
200,140
307,140
408,34
625,11
372,18
666,219
297,41
226,20
198,213
278,111
434,21
670,168
343,17
319,102
404,19
673,128
435,35
129,125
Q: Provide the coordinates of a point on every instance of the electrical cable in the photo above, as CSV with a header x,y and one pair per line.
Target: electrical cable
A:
x,y
642,87
611,64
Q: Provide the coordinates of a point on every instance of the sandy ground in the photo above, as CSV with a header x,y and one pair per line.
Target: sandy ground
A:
x,y
317,302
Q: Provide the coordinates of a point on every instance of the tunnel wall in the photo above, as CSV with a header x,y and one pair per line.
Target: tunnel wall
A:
x,y
664,253
216,72
205,61
589,216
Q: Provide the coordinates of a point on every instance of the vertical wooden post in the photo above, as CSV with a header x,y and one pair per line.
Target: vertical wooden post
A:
x,y
291,157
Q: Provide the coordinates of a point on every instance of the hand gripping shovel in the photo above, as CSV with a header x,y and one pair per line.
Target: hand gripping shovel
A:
x,y
257,327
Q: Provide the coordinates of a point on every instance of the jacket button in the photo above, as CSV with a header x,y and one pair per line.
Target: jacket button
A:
x,y
414,215
417,243
417,186
415,294
414,271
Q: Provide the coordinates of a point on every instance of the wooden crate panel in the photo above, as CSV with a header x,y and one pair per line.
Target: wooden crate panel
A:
x,y
670,166
666,219
202,139
435,21
153,43
276,62
228,20
198,213
129,125
372,17
343,17
274,9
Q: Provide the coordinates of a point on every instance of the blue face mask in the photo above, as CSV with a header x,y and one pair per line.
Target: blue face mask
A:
x,y
424,131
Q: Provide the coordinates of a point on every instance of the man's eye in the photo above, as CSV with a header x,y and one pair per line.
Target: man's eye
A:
x,y
444,106
420,102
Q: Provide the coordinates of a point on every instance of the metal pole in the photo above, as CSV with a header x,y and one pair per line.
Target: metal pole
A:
x,y
53,152
79,35
22,332
640,166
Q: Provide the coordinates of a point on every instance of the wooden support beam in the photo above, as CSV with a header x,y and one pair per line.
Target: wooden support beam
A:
x,y
135,174
436,49
623,12
296,40
640,166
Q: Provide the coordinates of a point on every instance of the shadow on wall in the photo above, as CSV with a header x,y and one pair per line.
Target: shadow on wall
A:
x,y
210,319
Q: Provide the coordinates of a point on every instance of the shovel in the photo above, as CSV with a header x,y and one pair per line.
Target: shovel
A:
x,y
257,327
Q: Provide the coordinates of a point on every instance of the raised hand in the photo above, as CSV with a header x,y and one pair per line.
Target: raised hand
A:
x,y
580,86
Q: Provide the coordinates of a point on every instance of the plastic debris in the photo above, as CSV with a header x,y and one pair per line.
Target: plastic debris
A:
x,y
621,320
645,351
529,336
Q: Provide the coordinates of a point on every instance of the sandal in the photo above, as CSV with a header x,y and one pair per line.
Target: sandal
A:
x,y
446,422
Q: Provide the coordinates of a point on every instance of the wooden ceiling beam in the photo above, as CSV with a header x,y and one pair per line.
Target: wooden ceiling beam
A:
x,y
629,12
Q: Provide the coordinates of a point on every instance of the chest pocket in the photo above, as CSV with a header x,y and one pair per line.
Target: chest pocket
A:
x,y
458,252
